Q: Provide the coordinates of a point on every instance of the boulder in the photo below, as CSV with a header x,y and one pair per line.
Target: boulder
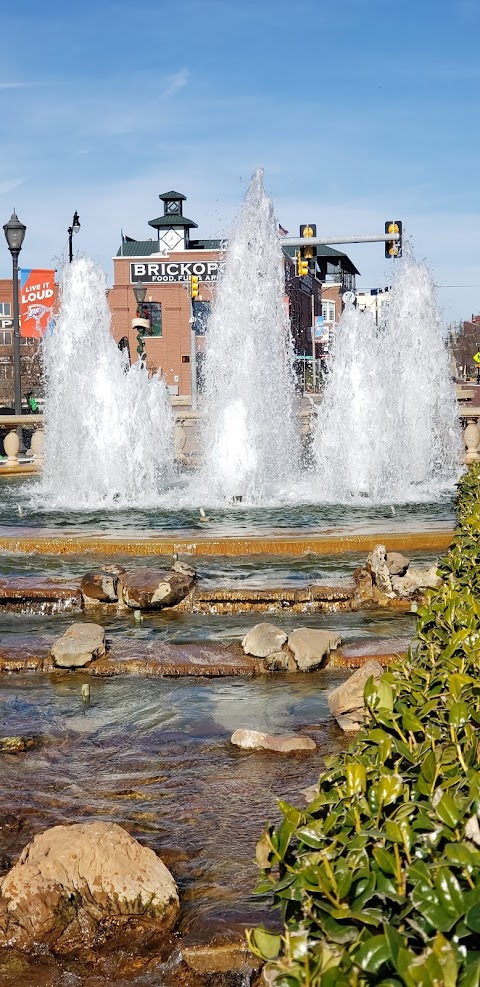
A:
x,y
80,644
397,564
100,585
364,584
255,740
310,646
280,661
416,579
153,589
377,566
73,885
263,640
223,958
346,702
184,568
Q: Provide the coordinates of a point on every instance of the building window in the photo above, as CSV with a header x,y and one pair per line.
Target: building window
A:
x,y
328,311
27,341
201,314
5,338
153,312
5,308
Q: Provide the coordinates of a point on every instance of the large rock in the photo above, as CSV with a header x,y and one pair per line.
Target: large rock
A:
x,y
397,564
75,884
377,566
101,585
255,740
152,589
263,640
310,646
346,702
80,644
416,579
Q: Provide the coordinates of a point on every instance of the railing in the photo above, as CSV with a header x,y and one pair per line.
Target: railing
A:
x,y
186,435
31,460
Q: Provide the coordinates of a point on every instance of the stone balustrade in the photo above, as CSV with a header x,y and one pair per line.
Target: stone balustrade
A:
x,y
187,437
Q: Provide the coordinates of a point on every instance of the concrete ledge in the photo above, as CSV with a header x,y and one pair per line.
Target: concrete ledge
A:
x,y
274,544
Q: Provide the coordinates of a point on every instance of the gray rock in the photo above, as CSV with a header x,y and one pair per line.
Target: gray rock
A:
x,y
416,579
153,589
184,569
310,646
80,644
263,640
346,702
377,565
280,661
397,564
255,740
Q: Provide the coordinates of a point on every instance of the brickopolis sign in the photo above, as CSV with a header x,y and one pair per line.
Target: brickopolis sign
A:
x,y
171,271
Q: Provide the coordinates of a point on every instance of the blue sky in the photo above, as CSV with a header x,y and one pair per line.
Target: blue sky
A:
x,y
358,111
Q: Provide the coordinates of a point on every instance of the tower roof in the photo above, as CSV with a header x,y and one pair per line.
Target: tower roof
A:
x,y
172,195
172,221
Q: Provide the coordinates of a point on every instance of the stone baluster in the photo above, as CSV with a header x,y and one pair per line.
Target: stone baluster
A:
x,y
36,445
11,445
472,441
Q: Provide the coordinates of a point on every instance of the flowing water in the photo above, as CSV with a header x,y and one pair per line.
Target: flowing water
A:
x,y
250,437
108,429
388,428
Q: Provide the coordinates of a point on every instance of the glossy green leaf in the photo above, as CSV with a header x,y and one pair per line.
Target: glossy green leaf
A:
x,y
372,954
267,943
448,811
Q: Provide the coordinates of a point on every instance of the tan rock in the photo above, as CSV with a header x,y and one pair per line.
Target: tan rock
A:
x,y
81,643
100,585
280,661
347,698
264,639
255,740
145,589
74,884
397,564
310,647
224,958
377,565
416,579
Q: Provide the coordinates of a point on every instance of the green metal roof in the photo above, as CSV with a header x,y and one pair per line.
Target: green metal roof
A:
x,y
172,195
138,248
172,221
207,245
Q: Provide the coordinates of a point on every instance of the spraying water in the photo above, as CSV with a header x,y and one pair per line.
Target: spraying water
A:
x,y
250,441
108,430
388,427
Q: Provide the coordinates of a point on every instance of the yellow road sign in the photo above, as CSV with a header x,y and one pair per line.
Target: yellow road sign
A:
x,y
477,358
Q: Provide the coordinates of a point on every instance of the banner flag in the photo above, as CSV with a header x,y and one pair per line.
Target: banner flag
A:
x,y
37,297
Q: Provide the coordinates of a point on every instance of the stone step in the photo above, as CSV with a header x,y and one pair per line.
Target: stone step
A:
x,y
355,653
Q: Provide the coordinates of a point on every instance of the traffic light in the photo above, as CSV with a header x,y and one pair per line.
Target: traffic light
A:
x,y
393,248
302,266
194,287
309,253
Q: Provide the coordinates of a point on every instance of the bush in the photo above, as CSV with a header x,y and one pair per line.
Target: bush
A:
x,y
378,879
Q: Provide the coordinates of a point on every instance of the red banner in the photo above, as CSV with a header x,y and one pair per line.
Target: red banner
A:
x,y
37,297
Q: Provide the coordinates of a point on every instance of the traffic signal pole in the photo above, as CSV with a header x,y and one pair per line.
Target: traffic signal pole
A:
x,y
317,241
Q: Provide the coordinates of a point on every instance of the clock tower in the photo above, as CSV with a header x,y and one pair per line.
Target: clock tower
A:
x,y
173,228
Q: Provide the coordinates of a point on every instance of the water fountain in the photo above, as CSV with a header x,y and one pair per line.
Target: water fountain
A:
x,y
250,436
108,432
388,429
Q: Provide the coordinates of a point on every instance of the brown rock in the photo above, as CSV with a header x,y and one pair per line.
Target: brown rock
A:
x,y
220,959
99,586
74,884
145,588
81,643
280,661
347,698
364,583
310,646
255,740
264,639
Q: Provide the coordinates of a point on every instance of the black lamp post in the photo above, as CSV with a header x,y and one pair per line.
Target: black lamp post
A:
x,y
74,228
15,234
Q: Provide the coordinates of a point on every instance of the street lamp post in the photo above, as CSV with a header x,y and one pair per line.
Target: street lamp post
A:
x,y
15,234
74,228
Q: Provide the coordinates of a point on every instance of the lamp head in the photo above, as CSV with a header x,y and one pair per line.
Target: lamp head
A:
x,y
76,222
140,290
14,233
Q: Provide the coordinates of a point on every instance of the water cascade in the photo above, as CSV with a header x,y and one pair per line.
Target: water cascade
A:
x,y
250,435
108,430
388,426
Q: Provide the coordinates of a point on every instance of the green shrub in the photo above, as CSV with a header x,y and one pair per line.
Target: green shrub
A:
x,y
378,879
